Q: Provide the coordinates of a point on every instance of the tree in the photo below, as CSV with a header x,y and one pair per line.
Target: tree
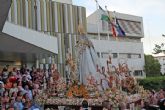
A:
x,y
152,66
159,48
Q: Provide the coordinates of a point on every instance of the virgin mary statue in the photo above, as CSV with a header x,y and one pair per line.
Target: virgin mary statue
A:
x,y
88,61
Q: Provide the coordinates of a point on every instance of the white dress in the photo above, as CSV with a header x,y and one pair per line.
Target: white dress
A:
x,y
87,61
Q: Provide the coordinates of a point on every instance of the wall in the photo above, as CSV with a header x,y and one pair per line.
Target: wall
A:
x,y
36,38
104,46
132,25
52,18
161,60
64,1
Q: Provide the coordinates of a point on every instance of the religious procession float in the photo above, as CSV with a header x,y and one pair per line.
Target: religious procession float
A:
x,y
87,80
123,89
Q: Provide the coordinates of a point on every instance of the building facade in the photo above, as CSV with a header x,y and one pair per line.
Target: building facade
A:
x,y
64,1
161,60
55,18
127,49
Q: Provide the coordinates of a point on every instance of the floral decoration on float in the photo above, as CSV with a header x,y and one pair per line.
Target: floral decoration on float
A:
x,y
77,91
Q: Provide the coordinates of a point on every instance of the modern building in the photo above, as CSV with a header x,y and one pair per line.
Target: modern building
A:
x,y
161,59
40,32
127,49
64,1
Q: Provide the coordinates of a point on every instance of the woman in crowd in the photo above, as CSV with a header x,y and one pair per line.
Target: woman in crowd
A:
x,y
5,99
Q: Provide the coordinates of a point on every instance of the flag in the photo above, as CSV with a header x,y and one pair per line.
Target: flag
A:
x,y
113,30
119,29
105,18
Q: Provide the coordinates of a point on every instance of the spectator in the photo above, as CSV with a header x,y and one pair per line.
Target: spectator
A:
x,y
84,105
161,101
5,99
8,85
11,104
13,89
18,105
14,71
4,74
14,95
29,92
36,90
19,95
1,88
106,105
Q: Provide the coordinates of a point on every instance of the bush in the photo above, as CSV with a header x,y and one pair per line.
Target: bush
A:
x,y
155,83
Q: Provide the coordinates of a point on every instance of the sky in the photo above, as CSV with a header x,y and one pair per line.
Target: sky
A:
x,y
152,11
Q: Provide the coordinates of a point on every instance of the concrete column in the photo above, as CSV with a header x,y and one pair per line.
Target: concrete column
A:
x,y
53,60
42,63
37,63
43,60
41,66
49,60
47,66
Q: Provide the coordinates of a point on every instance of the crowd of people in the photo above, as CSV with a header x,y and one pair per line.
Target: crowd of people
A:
x,y
155,101
18,88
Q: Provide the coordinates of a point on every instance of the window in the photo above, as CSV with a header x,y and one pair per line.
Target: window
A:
x,y
104,55
129,55
114,55
138,73
135,56
98,54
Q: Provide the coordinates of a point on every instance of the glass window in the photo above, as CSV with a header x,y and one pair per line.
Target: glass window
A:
x,y
135,56
104,55
98,54
129,56
114,55
138,73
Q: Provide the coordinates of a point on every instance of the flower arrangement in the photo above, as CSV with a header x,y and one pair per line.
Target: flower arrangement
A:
x,y
115,97
144,94
41,98
77,91
61,84
92,87
129,84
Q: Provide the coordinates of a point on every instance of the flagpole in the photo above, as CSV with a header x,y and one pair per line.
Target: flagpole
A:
x,y
114,15
98,21
107,27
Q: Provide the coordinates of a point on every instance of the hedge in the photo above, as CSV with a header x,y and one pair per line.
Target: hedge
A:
x,y
155,83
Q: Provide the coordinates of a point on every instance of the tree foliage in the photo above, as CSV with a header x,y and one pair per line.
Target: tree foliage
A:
x,y
159,48
151,83
152,66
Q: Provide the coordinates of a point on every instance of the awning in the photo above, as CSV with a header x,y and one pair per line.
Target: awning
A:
x,y
13,49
